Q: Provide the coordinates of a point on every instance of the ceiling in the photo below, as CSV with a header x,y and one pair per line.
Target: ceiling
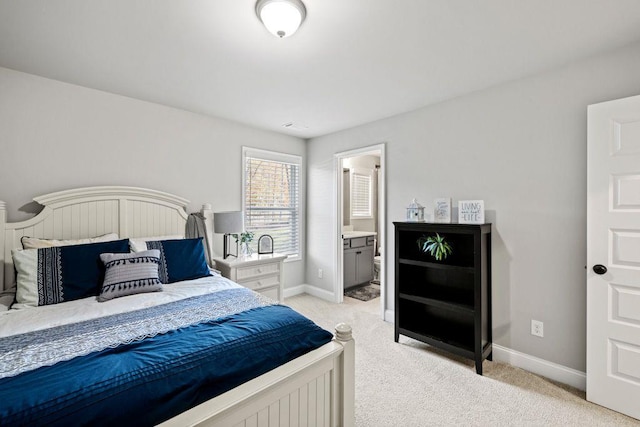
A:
x,y
351,62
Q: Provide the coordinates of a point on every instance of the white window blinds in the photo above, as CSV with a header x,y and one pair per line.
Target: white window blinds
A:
x,y
272,199
361,203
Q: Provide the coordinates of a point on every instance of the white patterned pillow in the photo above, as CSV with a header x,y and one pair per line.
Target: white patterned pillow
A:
x,y
139,244
128,274
35,243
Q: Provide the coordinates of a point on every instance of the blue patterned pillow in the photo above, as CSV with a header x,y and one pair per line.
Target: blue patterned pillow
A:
x,y
128,274
181,259
58,274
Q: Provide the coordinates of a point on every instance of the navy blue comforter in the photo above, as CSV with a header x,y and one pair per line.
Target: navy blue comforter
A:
x,y
149,381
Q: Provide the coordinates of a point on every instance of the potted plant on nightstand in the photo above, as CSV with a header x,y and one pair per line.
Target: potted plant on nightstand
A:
x,y
244,238
436,246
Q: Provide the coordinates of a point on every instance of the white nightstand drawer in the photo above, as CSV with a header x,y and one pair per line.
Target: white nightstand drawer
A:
x,y
257,270
271,293
263,282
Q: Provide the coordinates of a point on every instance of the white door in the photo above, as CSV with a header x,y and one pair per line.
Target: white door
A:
x,y
613,255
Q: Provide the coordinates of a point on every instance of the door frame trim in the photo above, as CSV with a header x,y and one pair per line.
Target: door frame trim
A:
x,y
376,149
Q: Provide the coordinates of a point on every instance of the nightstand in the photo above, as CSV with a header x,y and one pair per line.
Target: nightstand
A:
x,y
261,273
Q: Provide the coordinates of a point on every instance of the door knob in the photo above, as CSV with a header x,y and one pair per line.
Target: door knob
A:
x,y
599,269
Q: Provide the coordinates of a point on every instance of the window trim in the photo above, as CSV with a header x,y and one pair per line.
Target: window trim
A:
x,y
276,156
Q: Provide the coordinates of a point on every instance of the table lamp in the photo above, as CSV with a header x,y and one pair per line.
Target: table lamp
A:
x,y
228,223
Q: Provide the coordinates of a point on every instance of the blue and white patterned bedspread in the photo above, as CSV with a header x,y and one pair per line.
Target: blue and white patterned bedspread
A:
x,y
25,352
145,366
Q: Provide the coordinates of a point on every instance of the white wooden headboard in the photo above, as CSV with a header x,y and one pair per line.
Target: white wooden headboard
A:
x,y
93,211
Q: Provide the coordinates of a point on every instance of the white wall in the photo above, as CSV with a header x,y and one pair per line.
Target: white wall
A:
x,y
55,136
521,147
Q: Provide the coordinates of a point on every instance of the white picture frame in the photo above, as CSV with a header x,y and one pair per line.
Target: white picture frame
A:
x,y
442,210
471,212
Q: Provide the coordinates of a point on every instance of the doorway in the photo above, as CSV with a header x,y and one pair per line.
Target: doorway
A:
x,y
360,237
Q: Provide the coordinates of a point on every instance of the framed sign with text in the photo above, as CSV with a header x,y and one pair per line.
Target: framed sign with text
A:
x,y
471,211
442,210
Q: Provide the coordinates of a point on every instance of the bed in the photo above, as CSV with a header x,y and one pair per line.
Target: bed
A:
x,y
299,375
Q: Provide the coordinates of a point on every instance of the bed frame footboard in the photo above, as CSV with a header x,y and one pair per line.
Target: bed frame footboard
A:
x,y
315,389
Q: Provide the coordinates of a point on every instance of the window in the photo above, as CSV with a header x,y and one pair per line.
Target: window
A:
x,y
271,198
361,194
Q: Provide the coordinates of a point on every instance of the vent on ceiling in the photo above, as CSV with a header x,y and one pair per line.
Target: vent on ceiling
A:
x,y
294,126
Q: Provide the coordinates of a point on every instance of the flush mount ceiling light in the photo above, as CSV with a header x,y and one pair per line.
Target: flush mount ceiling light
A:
x,y
281,17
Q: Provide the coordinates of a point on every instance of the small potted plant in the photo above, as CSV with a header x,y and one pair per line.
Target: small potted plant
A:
x,y
436,246
244,239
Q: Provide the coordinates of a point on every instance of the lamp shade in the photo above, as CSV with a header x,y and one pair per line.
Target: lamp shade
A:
x,y
228,222
281,17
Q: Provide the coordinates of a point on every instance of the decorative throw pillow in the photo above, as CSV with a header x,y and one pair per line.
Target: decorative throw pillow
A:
x,y
35,243
139,244
128,274
58,274
181,259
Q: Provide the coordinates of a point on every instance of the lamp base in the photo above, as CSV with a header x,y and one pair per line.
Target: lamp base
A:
x,y
225,247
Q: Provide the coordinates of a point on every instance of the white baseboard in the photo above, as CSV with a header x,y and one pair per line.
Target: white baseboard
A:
x,y
293,291
320,293
544,368
553,371
311,290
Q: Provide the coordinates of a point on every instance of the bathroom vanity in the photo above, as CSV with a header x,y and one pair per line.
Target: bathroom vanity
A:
x,y
359,250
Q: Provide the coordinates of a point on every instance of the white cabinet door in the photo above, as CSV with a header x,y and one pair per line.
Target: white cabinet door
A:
x,y
613,243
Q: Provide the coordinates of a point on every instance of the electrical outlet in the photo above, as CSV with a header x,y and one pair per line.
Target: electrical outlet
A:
x,y
319,273
537,328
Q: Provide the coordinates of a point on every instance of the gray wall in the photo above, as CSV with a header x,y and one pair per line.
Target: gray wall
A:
x,y
521,147
55,136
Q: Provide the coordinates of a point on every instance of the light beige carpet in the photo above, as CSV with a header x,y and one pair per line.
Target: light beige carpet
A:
x,y
412,384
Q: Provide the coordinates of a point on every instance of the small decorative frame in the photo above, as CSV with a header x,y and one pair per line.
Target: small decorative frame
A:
x,y
442,210
265,244
471,211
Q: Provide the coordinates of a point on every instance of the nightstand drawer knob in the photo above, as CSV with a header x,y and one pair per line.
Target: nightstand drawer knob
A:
x,y
259,283
258,270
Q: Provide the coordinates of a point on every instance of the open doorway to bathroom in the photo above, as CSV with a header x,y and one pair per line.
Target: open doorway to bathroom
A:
x,y
360,237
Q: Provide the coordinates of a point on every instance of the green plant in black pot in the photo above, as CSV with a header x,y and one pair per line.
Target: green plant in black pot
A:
x,y
435,246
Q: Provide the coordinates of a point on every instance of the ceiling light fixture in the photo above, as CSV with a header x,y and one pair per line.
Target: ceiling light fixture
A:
x,y
281,17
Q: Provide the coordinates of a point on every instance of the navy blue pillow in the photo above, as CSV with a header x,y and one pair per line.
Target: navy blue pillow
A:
x,y
82,269
181,259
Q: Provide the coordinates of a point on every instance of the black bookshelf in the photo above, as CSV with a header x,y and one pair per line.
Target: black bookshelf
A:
x,y
447,303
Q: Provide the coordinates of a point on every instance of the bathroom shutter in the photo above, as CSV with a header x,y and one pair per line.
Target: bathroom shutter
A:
x,y
361,206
